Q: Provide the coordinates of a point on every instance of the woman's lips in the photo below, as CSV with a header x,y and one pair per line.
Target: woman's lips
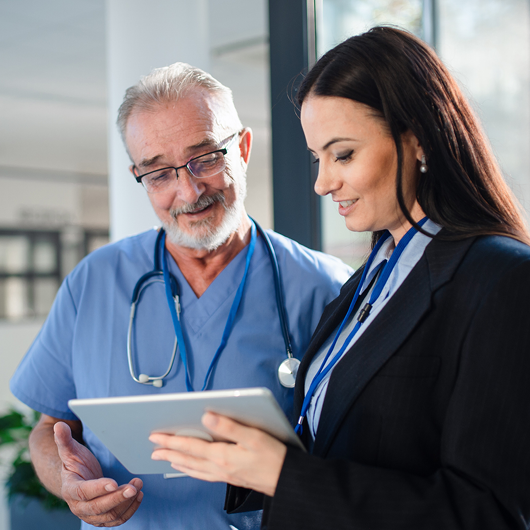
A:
x,y
345,207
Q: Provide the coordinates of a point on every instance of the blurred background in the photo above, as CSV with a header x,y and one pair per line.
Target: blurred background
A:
x,y
64,184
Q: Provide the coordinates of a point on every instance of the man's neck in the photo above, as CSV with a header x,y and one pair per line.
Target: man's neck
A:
x,y
201,267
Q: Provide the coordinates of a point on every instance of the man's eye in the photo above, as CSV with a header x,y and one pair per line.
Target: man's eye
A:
x,y
159,177
208,160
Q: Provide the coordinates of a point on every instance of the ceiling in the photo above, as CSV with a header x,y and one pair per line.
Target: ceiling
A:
x,y
53,87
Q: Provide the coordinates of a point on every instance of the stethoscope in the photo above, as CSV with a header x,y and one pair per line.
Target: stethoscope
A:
x,y
160,273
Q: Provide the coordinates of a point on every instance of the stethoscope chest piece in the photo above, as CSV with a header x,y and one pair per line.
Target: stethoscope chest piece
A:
x,y
287,372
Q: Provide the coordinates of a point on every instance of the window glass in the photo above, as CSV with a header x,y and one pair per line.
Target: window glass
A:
x,y
44,291
33,264
44,256
341,19
15,303
486,45
14,254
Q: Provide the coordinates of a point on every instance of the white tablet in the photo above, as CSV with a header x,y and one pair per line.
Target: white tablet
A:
x,y
124,424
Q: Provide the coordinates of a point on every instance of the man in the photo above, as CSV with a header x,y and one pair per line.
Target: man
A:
x,y
190,151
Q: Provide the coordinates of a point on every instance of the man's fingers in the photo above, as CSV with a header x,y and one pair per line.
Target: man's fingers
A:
x,y
137,483
88,505
79,490
97,500
114,504
63,436
94,512
67,447
131,509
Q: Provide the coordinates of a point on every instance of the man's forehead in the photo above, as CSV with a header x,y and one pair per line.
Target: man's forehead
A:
x,y
191,124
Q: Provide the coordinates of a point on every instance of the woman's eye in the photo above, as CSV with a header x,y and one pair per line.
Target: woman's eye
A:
x,y
345,157
315,161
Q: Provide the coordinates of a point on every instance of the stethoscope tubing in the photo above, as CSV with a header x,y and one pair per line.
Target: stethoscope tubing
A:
x,y
156,275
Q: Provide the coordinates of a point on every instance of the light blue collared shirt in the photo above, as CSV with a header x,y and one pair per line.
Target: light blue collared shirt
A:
x,y
410,257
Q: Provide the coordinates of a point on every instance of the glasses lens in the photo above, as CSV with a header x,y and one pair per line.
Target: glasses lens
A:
x,y
207,165
159,180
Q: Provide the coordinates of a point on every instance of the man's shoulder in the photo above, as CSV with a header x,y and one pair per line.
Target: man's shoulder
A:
x,y
293,255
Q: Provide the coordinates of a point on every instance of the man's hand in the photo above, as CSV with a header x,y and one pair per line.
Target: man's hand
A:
x,y
94,499
69,470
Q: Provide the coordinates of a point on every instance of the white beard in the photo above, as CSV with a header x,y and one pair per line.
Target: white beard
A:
x,y
215,236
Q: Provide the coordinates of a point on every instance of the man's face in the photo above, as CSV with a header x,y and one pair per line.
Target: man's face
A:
x,y
196,213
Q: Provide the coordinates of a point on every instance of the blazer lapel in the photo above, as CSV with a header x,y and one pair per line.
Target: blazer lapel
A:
x,y
330,319
386,333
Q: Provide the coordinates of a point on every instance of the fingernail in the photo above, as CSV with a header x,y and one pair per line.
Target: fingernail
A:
x,y
128,493
154,456
111,487
210,420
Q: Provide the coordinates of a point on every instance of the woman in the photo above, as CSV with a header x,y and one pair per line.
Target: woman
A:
x,y
413,397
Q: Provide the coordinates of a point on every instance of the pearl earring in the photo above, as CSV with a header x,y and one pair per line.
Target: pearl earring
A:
x,y
423,167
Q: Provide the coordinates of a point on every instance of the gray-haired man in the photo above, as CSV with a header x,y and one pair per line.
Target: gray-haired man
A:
x,y
190,151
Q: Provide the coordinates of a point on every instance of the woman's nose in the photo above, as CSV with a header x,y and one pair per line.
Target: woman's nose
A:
x,y
326,182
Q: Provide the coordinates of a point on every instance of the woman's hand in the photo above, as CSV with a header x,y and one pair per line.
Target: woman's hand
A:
x,y
253,461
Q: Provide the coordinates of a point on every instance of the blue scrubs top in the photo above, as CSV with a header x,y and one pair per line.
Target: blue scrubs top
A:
x,y
81,351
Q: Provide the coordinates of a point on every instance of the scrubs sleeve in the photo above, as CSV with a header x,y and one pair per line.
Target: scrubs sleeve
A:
x,y
44,379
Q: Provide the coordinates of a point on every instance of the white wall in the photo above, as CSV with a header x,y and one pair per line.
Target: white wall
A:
x,y
174,31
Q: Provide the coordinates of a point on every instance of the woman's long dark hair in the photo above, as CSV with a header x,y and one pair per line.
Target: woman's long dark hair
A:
x,y
401,78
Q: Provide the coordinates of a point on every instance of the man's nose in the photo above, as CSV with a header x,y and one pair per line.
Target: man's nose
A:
x,y
189,188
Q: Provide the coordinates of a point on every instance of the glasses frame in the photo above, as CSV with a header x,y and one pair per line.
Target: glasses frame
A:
x,y
223,150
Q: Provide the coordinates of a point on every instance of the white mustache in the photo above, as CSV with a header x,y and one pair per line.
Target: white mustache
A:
x,y
203,202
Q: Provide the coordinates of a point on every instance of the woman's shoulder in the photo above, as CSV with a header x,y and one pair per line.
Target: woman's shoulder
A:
x,y
486,260
501,249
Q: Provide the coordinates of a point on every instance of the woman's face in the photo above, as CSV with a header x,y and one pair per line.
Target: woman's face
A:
x,y
357,160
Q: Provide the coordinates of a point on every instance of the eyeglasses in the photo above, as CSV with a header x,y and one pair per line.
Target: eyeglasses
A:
x,y
200,167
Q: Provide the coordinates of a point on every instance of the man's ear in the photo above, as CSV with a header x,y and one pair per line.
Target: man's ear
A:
x,y
245,145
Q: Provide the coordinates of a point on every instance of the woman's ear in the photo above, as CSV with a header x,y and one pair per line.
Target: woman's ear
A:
x,y
410,139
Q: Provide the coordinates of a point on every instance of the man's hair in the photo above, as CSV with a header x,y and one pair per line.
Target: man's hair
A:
x,y
169,84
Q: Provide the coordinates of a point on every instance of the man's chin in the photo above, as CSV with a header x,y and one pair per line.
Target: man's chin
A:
x,y
200,236
205,234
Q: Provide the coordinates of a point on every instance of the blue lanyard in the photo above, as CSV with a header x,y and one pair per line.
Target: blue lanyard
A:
x,y
174,307
387,268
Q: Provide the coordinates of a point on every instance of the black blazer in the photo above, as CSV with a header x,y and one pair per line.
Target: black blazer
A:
x,y
426,420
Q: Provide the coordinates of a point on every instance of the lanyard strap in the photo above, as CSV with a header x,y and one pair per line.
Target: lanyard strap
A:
x,y
387,268
174,308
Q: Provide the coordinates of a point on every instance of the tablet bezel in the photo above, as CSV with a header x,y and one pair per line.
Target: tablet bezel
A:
x,y
123,424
